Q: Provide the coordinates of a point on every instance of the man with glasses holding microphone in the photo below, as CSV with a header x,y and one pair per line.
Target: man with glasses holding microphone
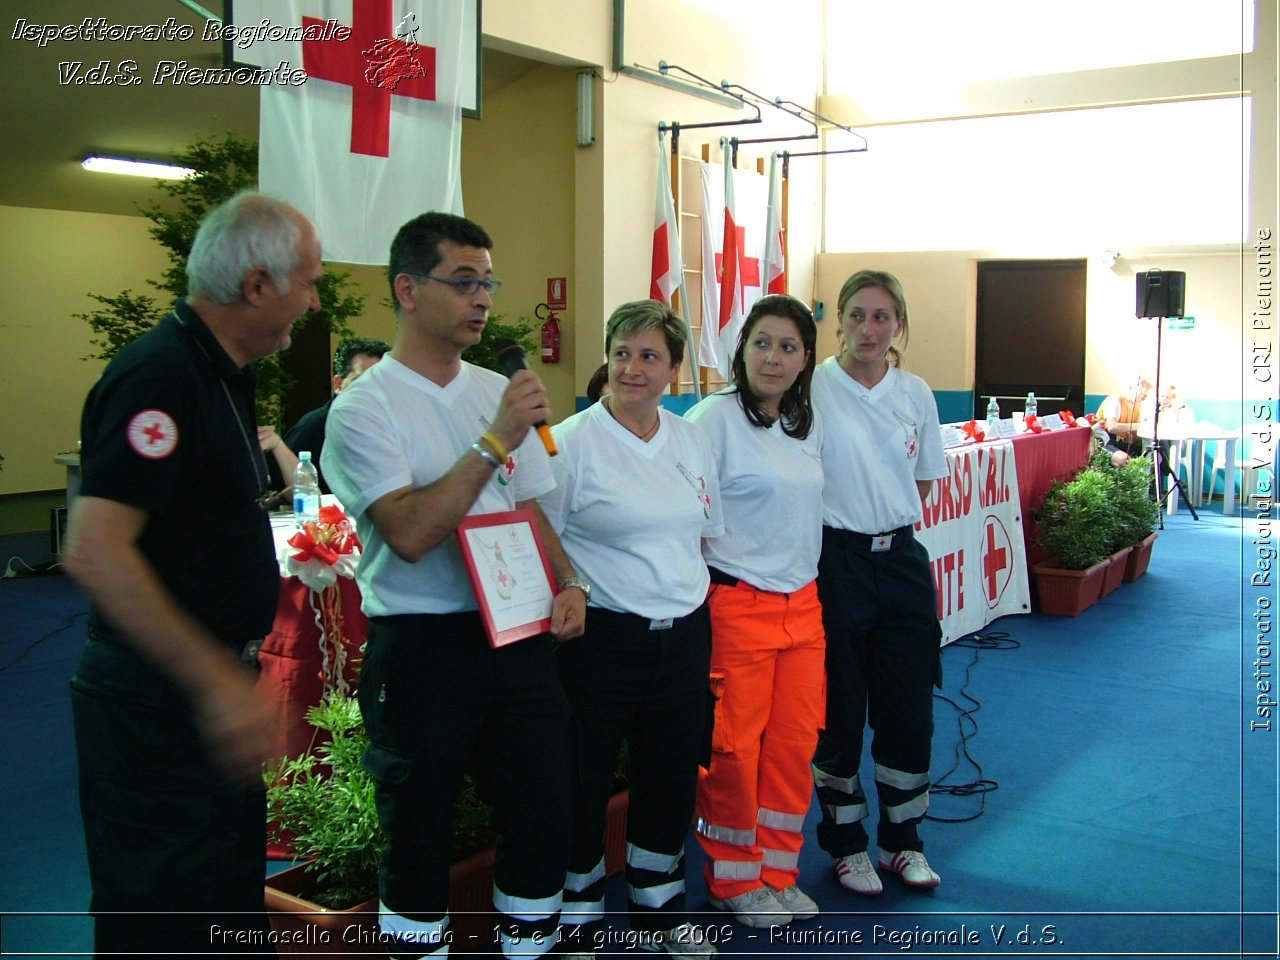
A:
x,y
419,442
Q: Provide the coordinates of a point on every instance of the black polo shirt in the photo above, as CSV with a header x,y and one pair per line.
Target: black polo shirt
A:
x,y
170,428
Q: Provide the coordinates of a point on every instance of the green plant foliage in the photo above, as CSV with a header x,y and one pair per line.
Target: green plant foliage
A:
x,y
323,803
1075,522
222,169
1137,511
123,318
485,353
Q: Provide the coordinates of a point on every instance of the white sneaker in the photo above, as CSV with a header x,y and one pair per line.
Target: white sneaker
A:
x,y
911,866
755,908
856,873
685,941
799,904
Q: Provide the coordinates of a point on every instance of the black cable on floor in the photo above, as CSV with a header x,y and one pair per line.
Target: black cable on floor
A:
x,y
35,643
967,726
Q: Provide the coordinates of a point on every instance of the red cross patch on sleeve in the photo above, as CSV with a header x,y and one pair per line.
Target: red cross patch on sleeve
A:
x,y
153,434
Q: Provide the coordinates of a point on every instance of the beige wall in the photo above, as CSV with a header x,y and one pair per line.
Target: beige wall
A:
x,y
49,260
518,182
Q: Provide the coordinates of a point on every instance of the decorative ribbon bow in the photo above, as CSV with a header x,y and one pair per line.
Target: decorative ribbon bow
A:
x,y
327,548
320,552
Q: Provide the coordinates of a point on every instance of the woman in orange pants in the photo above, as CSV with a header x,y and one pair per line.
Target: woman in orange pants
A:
x,y
767,641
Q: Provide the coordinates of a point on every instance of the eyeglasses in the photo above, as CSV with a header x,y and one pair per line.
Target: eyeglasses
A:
x,y
467,285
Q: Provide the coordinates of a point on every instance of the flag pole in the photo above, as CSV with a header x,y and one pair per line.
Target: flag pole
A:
x,y
691,349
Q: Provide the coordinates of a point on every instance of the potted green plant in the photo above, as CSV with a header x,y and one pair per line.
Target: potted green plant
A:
x,y
323,802
1137,511
1075,526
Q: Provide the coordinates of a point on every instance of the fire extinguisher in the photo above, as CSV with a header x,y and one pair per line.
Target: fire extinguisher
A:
x,y
550,352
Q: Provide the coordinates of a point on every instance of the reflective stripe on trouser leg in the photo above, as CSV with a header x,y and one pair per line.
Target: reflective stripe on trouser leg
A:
x,y
527,926
653,879
904,799
584,896
414,937
842,798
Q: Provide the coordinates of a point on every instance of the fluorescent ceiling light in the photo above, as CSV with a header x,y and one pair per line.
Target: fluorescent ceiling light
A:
x,y
136,168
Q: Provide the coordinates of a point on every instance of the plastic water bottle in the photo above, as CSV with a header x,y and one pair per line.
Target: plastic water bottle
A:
x,y
306,489
993,411
1031,405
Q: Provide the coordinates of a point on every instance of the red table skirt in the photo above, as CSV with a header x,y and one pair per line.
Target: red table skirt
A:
x,y
291,660
1042,458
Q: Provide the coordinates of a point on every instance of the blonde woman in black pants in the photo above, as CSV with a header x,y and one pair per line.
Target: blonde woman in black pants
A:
x,y
881,452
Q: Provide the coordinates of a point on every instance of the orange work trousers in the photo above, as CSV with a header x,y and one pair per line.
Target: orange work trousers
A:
x,y
767,672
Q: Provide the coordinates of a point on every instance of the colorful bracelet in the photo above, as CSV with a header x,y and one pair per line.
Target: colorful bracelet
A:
x,y
494,442
489,458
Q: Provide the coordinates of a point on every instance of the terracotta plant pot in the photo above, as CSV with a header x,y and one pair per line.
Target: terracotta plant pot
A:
x,y
1114,575
1140,558
304,928
1067,593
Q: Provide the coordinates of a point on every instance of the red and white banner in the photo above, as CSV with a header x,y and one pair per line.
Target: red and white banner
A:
x,y
734,205
667,266
774,271
972,529
373,136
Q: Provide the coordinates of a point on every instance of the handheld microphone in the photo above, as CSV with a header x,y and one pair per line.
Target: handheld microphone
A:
x,y
511,356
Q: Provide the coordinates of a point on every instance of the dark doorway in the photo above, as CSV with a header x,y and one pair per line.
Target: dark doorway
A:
x,y
310,360
1030,335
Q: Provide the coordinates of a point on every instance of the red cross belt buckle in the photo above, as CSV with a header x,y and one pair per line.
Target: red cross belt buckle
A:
x,y
881,543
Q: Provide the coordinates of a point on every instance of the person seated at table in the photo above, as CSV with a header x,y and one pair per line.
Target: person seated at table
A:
x,y
1121,415
352,358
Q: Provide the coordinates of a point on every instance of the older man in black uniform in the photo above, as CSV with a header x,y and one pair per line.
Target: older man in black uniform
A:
x,y
168,541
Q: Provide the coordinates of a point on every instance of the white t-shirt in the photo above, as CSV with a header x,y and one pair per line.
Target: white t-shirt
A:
x,y
394,428
631,515
875,445
771,494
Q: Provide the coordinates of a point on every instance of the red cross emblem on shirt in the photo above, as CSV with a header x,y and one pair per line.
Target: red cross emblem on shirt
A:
x,y
375,66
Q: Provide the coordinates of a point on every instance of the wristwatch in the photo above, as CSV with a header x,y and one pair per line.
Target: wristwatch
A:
x,y
578,582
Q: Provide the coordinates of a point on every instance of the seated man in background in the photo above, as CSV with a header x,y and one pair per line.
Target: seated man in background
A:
x,y
353,357
1121,415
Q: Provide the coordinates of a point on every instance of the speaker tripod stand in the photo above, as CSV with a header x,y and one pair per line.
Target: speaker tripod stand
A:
x,y
1162,469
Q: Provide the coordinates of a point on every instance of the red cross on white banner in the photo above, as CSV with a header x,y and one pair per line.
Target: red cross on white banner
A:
x,y
996,551
354,62
373,135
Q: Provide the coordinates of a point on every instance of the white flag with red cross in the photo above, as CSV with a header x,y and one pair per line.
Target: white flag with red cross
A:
x,y
667,266
733,222
373,136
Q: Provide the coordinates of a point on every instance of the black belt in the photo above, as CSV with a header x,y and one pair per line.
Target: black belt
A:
x,y
722,578
872,542
635,621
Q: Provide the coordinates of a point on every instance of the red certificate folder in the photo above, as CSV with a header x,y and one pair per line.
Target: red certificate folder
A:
x,y
509,573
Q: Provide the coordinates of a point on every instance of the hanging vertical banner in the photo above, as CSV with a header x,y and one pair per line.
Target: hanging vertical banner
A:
x,y
724,309
373,136
667,267
775,250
